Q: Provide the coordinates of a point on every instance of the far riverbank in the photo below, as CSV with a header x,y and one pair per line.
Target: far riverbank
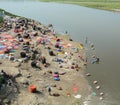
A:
x,y
109,5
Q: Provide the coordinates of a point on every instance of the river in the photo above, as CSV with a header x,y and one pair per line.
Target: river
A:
x,y
101,27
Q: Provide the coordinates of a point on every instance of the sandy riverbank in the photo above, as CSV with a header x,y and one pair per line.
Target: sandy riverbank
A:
x,y
68,60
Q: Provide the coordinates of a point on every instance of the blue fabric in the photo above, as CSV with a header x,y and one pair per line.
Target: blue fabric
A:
x,y
56,79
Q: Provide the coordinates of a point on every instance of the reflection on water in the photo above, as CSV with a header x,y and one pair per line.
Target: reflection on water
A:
x,y
101,27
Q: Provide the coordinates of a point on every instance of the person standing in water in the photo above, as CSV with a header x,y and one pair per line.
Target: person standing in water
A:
x,y
86,40
66,32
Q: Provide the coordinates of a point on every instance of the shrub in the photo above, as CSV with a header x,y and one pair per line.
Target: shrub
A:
x,y
2,80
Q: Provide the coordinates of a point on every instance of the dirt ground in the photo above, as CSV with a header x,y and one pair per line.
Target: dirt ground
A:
x,y
25,76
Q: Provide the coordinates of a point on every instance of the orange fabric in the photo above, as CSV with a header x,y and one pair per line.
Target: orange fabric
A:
x,y
75,89
1,52
32,88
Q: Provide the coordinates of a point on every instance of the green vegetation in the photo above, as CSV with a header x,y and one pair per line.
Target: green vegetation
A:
x,y
7,13
2,80
1,21
111,5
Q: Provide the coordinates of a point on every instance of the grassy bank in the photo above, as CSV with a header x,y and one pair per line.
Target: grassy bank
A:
x,y
1,18
7,13
111,5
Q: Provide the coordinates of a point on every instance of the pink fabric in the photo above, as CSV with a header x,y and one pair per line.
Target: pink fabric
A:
x,y
56,75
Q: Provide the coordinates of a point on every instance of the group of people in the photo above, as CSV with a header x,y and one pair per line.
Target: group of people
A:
x,y
25,32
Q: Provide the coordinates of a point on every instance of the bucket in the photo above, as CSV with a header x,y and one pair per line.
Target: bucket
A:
x,y
32,88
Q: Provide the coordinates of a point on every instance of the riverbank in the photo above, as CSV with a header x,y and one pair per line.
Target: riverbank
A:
x,y
20,36
2,12
109,5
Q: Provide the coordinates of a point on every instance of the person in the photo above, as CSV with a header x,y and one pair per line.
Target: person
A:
x,y
11,57
86,40
3,73
33,56
22,54
33,64
43,60
49,90
51,53
7,51
70,39
92,45
66,32
68,93
97,59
